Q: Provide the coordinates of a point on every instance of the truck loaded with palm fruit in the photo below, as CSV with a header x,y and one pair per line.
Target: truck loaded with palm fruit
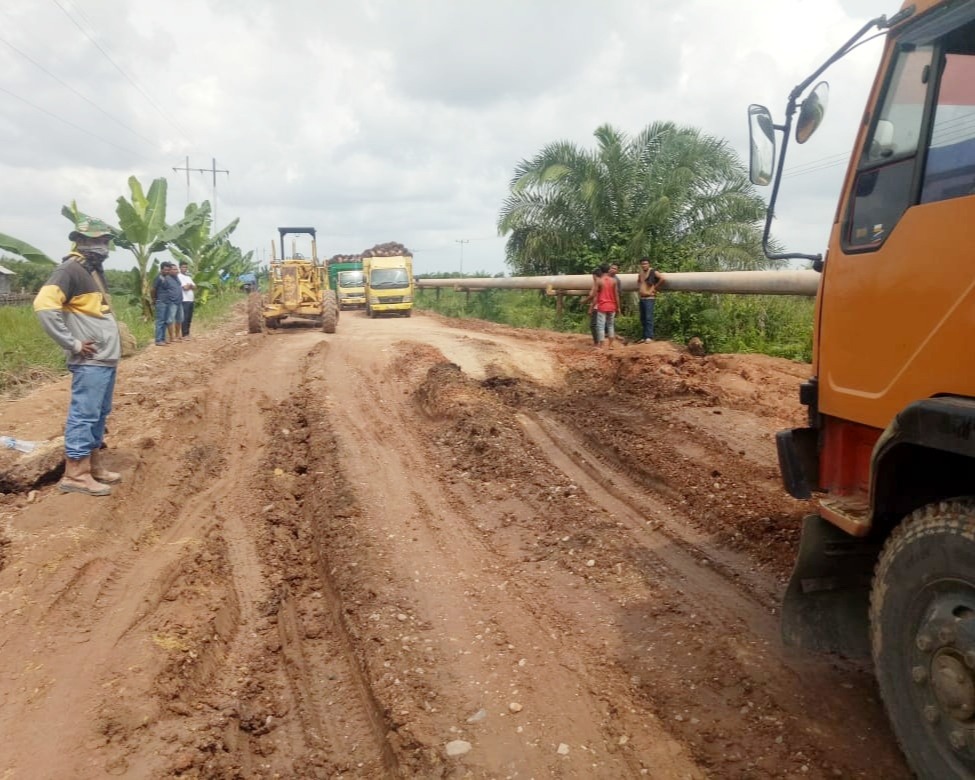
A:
x,y
388,272
346,278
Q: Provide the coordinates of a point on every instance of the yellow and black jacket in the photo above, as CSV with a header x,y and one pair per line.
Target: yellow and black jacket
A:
x,y
73,308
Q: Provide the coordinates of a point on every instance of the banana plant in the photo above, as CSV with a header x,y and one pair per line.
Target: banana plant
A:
x,y
17,247
144,230
202,252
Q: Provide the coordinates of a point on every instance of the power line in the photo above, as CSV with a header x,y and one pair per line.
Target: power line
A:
x,y
125,75
213,170
76,92
70,124
462,241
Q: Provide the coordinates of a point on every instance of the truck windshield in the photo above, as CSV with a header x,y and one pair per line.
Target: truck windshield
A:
x,y
350,279
388,278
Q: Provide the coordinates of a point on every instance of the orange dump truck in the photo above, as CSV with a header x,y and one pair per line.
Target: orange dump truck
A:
x,y
887,564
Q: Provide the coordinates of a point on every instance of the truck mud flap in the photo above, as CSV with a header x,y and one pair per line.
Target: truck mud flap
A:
x,y
826,606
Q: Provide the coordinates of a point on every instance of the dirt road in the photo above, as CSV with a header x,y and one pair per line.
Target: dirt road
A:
x,y
418,549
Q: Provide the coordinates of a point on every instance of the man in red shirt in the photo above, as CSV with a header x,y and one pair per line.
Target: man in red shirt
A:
x,y
607,305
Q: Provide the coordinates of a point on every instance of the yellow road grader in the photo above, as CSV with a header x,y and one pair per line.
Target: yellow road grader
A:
x,y
297,287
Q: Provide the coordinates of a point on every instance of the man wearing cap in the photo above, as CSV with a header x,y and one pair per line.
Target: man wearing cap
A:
x,y
74,309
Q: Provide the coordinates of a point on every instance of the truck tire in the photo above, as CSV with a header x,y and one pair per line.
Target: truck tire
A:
x,y
255,313
330,312
922,622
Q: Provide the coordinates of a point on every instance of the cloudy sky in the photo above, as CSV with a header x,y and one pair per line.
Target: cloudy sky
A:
x,y
392,120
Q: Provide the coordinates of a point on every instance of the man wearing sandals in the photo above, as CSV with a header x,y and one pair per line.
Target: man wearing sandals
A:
x,y
74,309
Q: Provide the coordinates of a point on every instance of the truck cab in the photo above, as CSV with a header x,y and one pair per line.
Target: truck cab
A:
x,y
886,567
389,285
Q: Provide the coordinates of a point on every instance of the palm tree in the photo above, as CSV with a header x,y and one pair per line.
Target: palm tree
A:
x,y
672,194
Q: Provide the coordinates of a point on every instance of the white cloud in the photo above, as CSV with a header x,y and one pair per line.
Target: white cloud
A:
x,y
390,121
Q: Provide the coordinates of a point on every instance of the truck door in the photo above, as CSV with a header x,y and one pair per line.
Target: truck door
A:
x,y
898,303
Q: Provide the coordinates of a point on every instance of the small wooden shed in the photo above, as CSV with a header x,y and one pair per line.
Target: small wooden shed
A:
x,y
6,280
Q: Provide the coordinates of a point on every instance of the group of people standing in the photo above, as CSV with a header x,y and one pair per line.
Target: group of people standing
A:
x,y
606,296
173,295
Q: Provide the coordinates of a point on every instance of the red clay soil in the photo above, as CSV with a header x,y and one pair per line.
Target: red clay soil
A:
x,y
419,548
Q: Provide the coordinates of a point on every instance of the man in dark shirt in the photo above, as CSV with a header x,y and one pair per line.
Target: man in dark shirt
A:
x,y
167,294
648,280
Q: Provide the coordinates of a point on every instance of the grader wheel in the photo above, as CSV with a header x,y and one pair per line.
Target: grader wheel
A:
x,y
255,313
330,312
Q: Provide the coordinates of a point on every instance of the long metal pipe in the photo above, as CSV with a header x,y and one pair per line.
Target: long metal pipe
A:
x,y
739,282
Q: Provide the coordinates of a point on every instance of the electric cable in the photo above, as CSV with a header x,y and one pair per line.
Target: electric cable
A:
x,y
63,83
72,124
125,75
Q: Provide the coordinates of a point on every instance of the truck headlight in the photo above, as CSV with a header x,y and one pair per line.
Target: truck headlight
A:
x,y
373,300
407,299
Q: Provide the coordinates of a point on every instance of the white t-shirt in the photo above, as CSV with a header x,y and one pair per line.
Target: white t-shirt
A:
x,y
186,279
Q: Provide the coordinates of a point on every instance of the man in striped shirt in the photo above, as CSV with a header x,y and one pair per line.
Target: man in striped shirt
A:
x,y
74,309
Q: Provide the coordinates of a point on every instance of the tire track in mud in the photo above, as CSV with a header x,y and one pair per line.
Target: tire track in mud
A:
x,y
333,716
279,695
732,607
139,579
431,547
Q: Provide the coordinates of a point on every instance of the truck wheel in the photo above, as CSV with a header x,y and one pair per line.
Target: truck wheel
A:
x,y
330,312
255,315
922,621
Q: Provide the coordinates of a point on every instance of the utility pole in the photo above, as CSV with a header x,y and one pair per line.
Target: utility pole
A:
x,y
214,170
462,241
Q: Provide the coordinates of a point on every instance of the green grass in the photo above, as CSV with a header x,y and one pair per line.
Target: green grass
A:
x,y
773,325
27,354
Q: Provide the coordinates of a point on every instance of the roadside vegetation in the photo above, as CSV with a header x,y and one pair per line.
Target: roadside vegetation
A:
x,y
670,193
28,355
775,325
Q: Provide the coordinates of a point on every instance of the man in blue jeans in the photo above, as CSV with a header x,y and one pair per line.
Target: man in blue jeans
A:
x,y
75,310
167,295
648,280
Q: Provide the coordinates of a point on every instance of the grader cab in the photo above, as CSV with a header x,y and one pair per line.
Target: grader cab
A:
x,y
297,288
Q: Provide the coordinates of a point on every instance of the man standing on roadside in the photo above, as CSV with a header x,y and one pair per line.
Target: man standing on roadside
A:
x,y
75,310
607,306
648,280
167,295
186,282
597,275
614,269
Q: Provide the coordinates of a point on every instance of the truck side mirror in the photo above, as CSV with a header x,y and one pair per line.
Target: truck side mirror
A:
x,y
761,143
811,112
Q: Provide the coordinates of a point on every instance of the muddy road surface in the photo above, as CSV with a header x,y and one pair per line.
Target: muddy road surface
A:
x,y
418,548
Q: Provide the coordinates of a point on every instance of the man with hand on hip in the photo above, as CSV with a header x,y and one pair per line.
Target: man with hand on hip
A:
x,y
75,310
